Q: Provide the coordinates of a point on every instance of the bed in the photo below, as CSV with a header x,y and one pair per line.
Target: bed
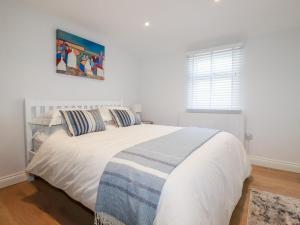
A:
x,y
203,190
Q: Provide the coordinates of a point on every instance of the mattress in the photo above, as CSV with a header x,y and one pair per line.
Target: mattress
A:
x,y
202,190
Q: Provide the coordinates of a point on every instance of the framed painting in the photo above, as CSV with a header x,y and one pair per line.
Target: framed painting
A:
x,y
79,57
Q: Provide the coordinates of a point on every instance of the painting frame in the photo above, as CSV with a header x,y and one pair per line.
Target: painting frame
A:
x,y
78,56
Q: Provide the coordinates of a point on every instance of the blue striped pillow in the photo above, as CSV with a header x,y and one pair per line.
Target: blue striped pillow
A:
x,y
125,118
83,121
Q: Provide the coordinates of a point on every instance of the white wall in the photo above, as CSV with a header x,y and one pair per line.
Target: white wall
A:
x,y
27,59
271,91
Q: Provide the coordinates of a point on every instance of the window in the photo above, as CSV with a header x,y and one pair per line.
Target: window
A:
x,y
214,80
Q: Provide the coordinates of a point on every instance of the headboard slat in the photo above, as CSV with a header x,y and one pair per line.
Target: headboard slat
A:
x,y
34,108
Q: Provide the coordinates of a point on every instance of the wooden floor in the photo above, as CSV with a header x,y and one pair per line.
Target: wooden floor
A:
x,y
37,203
275,181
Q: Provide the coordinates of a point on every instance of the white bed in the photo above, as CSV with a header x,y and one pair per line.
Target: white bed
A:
x,y
203,190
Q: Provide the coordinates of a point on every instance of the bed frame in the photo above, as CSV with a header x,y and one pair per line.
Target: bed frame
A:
x,y
34,108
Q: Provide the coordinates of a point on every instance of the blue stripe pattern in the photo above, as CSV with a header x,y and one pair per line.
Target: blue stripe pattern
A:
x,y
83,121
129,194
125,118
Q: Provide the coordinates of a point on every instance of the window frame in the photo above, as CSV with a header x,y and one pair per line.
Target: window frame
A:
x,y
210,50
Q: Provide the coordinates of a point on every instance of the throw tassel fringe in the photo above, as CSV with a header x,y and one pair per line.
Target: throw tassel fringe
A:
x,y
102,218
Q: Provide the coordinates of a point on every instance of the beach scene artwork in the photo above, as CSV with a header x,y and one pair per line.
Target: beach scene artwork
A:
x,y
77,56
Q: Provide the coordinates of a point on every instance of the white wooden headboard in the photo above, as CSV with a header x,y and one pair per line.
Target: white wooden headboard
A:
x,y
34,108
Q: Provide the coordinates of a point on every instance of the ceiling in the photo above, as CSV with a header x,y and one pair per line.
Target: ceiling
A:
x,y
176,24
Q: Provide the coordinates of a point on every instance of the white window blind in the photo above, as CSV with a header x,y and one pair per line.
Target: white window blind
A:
x,y
214,79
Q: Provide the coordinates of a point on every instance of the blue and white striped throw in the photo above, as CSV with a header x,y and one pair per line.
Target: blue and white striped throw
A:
x,y
130,187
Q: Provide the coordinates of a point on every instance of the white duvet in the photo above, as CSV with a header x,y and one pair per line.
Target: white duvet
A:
x,y
202,190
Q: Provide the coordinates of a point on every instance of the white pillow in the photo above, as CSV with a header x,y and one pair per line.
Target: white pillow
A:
x,y
105,114
42,134
38,139
51,118
111,127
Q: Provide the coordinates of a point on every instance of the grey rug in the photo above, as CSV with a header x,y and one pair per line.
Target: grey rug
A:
x,y
271,209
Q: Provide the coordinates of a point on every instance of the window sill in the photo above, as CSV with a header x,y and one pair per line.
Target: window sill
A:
x,y
214,111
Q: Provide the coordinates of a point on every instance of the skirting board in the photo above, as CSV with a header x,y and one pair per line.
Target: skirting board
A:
x,y
275,164
13,179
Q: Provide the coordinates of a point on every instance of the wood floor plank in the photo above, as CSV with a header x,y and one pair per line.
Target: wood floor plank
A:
x,y
37,203
265,179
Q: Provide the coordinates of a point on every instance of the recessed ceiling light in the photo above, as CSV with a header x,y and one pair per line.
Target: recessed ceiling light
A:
x,y
217,1
147,24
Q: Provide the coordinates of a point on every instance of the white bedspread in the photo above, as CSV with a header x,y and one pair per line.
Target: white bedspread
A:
x,y
203,190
